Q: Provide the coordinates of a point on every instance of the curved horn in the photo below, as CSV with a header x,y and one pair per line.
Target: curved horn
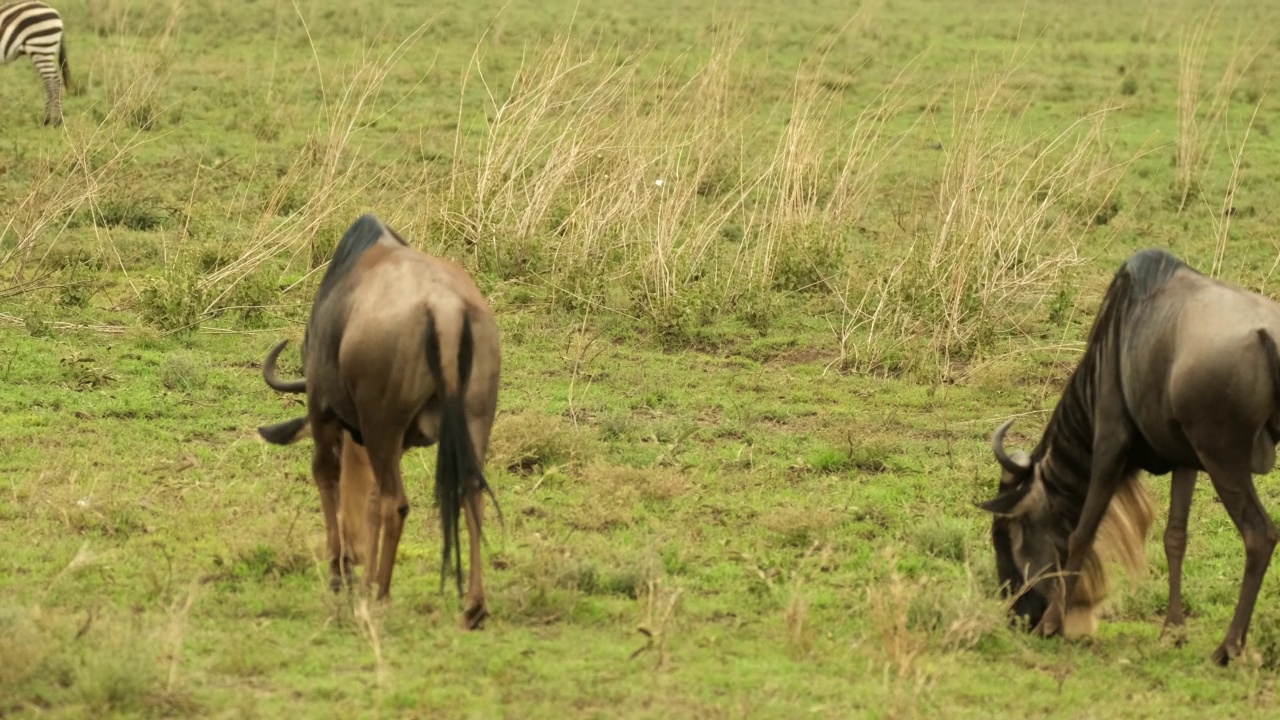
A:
x,y
1006,462
269,373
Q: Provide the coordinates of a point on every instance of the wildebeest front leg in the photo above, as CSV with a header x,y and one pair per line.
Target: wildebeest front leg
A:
x,y
1175,548
477,610
326,468
1107,473
1235,487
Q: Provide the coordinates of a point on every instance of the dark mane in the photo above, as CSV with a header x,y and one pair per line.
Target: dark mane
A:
x,y
363,234
1064,456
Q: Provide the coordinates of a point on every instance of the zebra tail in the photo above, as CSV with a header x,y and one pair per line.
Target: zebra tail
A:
x,y
64,65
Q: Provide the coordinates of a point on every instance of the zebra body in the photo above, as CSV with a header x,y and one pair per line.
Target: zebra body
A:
x,y
34,29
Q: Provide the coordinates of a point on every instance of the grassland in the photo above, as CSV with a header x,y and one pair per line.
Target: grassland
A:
x,y
745,410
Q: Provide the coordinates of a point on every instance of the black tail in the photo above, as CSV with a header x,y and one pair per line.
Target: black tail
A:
x,y
1273,361
66,68
458,471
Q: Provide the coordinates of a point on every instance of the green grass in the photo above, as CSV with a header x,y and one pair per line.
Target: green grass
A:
x,y
744,419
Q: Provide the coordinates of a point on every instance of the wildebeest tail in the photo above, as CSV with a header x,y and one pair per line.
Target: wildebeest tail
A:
x,y
458,472
1273,362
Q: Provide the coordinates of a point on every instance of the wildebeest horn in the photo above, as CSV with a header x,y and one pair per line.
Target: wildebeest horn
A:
x,y
269,373
1006,462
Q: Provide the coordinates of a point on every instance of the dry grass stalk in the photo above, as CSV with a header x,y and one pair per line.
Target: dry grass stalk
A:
x,y
369,628
1197,126
660,603
883,325
1222,219
888,604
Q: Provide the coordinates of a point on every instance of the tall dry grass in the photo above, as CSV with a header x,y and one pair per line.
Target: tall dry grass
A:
x,y
651,187
331,173
1012,209
637,185
1201,114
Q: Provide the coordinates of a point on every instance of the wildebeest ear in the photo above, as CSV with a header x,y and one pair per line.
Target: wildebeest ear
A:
x,y
287,432
1014,500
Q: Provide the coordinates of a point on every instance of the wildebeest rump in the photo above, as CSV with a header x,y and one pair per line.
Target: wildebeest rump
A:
x,y
1181,373
400,351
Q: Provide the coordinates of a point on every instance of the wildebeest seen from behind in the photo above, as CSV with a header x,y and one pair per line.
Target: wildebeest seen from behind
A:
x,y
401,351
1180,374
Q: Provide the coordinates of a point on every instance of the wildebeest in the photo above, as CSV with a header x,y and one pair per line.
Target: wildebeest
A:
x,y
1181,373
401,351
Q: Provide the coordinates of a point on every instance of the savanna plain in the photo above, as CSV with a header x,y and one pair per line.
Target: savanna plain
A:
x,y
768,276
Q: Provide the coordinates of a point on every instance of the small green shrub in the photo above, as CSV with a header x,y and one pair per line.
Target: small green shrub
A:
x,y
805,260
175,300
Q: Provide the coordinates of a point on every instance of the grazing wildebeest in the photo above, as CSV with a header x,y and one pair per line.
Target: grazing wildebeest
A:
x,y
1181,373
401,351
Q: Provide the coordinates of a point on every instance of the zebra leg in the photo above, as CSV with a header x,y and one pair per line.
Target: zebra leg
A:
x,y
53,102
48,68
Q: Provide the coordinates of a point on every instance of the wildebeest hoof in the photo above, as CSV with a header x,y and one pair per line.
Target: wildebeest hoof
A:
x,y
1174,634
1225,653
346,577
474,617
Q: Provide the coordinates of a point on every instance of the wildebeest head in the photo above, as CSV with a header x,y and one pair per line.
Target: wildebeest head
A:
x,y
1024,553
1034,515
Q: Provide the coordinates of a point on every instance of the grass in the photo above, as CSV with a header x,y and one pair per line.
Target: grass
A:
x,y
767,279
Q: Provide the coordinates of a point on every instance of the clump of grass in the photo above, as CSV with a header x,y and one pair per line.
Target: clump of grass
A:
x,y
945,538
798,527
78,283
83,373
184,372
530,442
913,615
98,663
655,484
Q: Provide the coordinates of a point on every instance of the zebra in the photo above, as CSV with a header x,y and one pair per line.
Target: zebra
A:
x,y
32,28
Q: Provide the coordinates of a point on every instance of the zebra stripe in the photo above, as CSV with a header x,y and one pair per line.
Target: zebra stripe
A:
x,y
34,29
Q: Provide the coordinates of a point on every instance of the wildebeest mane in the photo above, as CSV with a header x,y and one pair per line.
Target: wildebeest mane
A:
x,y
1064,457
363,234
1068,438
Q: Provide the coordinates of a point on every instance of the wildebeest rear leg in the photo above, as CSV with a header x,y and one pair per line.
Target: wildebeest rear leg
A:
x,y
386,516
477,610
1235,486
326,469
1175,548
